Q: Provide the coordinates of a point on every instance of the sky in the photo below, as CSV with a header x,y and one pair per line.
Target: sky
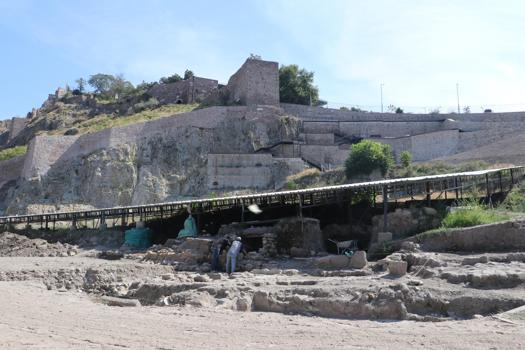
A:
x,y
420,53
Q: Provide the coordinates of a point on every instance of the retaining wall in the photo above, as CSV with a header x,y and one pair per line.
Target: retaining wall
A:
x,y
11,169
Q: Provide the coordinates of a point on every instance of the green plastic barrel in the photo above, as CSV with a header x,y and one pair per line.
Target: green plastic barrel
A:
x,y
138,238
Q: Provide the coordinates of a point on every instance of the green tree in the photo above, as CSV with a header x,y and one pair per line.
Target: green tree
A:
x,y
297,86
81,84
368,156
406,159
171,79
188,74
101,83
111,86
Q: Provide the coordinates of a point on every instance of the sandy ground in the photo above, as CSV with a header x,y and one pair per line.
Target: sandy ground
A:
x,y
33,317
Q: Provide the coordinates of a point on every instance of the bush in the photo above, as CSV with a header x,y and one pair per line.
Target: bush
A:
x,y
149,104
472,215
12,152
406,159
367,156
515,200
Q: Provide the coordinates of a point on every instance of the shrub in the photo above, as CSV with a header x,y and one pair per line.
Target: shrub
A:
x,y
406,159
12,152
367,156
515,200
472,215
149,104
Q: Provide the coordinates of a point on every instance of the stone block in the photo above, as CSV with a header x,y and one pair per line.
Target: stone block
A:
x,y
358,260
397,268
333,262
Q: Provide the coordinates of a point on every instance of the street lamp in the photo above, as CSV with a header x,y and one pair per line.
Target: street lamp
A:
x,y
381,87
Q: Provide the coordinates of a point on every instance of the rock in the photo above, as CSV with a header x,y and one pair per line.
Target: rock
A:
x,y
111,301
242,304
475,260
201,278
333,261
167,276
410,246
384,237
397,268
358,260
290,272
215,275
110,255
299,252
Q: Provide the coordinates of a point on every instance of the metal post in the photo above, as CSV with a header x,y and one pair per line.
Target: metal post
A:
x,y
456,187
487,187
385,208
429,196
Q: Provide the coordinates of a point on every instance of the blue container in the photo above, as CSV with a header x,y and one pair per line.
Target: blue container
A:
x,y
138,238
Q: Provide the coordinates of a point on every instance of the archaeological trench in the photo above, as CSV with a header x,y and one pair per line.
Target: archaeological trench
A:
x,y
245,144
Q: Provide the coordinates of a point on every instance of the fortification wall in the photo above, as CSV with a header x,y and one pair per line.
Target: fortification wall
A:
x,y
11,169
325,114
16,125
233,171
184,91
425,146
434,145
255,83
324,156
44,151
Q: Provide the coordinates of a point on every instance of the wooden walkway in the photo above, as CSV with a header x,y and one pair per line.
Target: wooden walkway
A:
x,y
446,186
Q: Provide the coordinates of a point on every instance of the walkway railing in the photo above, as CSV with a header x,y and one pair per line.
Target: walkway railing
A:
x,y
454,185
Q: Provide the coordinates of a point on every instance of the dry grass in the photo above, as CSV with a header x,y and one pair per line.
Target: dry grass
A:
x,y
105,121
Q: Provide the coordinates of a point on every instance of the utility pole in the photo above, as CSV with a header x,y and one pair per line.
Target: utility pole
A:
x,y
457,94
381,87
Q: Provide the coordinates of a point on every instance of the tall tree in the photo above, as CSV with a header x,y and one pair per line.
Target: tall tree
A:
x,y
296,85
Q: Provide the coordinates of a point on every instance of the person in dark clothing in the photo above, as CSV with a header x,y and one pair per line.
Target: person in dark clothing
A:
x,y
218,247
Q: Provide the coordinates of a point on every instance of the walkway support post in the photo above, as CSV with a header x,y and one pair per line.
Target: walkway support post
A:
x,y
385,208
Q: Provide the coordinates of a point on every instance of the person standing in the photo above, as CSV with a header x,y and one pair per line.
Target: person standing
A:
x,y
233,253
218,247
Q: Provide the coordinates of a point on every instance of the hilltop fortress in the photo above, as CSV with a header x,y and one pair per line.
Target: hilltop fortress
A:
x,y
246,139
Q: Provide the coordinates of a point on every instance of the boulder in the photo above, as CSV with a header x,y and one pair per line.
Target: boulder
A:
x,y
299,252
397,268
333,262
358,260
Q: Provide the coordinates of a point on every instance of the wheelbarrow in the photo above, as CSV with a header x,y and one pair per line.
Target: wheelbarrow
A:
x,y
345,247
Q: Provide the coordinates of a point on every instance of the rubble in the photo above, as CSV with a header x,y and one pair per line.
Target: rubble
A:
x,y
12,244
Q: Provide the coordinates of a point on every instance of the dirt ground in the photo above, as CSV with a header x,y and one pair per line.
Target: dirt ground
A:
x,y
50,299
33,317
40,316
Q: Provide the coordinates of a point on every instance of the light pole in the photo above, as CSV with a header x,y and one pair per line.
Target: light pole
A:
x,y
457,95
381,87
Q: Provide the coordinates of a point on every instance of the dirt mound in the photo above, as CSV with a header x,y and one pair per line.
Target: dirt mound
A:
x,y
12,244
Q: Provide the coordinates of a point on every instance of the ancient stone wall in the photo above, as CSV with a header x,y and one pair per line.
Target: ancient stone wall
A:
x,y
255,83
11,169
184,91
16,126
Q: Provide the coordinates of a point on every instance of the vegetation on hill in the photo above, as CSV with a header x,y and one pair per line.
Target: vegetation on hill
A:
x,y
104,121
296,85
9,153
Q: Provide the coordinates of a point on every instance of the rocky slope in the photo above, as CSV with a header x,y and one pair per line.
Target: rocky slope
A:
x,y
160,167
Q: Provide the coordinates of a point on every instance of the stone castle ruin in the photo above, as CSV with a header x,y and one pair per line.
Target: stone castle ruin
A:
x,y
245,140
